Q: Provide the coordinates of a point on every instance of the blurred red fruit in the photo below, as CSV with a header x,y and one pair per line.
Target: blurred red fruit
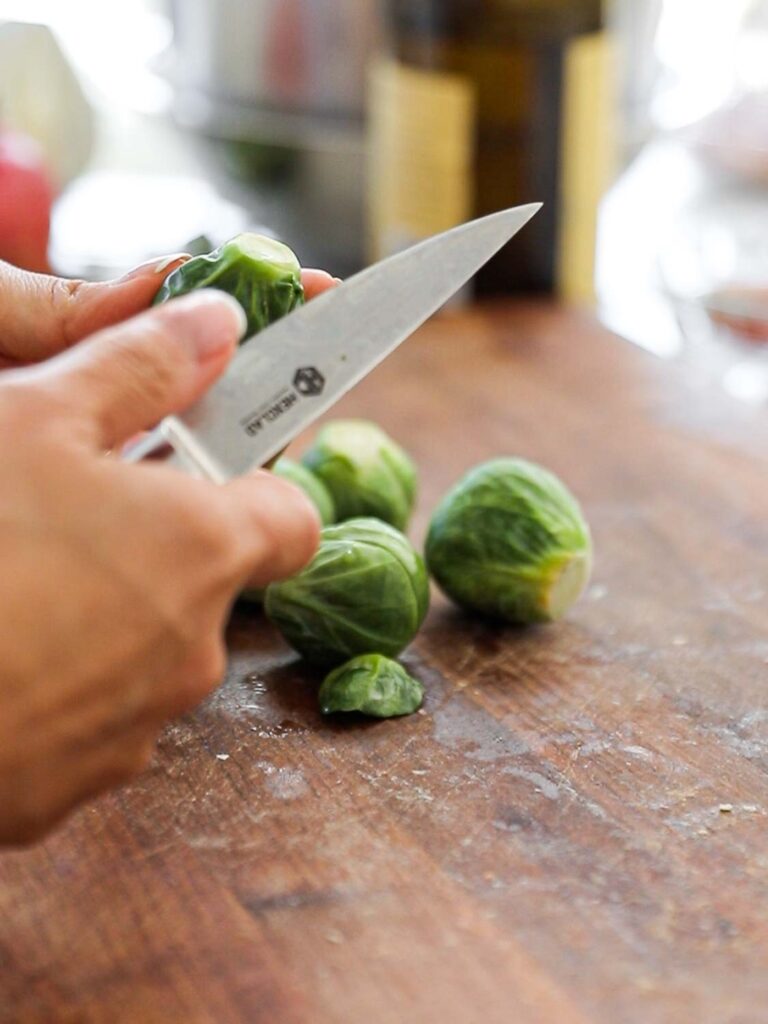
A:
x,y
26,197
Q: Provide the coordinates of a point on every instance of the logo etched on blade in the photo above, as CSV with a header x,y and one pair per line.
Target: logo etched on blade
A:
x,y
308,382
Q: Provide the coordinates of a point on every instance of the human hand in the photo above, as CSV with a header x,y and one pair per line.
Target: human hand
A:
x,y
41,316
117,579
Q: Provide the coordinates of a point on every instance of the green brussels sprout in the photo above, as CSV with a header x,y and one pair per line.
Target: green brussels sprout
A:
x,y
367,473
510,541
313,487
262,274
373,685
365,590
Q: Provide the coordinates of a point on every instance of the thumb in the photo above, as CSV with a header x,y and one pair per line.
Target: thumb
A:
x,y
126,378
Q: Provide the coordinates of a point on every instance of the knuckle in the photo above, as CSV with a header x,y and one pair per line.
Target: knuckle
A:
x,y
135,761
64,290
128,757
233,559
149,362
32,812
216,539
145,361
198,531
281,524
24,831
203,674
19,398
24,400
211,669
120,764
291,548
63,297
144,756
28,819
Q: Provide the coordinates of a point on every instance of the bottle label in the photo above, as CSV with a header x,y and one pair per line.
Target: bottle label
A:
x,y
588,156
421,150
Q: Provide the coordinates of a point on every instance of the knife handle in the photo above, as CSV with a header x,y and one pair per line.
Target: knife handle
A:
x,y
174,445
167,444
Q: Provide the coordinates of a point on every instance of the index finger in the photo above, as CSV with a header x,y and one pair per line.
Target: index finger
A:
x,y
41,315
316,282
278,525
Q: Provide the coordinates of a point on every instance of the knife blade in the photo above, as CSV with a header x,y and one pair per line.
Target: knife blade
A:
x,y
288,375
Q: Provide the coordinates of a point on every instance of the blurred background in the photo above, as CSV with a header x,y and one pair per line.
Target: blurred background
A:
x,y
351,128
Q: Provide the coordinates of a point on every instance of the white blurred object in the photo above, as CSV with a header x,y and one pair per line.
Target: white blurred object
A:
x,y
735,137
683,235
698,45
681,60
717,242
634,217
112,45
106,222
713,264
41,96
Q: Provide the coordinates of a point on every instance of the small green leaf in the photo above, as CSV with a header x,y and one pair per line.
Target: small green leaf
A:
x,y
373,685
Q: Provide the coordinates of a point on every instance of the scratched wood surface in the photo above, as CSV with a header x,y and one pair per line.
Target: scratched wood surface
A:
x,y
573,830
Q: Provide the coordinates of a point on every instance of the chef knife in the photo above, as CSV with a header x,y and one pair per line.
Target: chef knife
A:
x,y
282,379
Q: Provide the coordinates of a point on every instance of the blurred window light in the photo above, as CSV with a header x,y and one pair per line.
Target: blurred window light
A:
x,y
113,46
698,44
753,61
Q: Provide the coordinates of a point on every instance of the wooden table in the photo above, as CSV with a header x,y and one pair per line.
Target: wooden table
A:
x,y
573,829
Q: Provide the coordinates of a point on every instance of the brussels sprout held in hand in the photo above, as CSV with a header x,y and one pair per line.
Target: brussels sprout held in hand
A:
x,y
261,273
373,685
365,590
510,541
367,473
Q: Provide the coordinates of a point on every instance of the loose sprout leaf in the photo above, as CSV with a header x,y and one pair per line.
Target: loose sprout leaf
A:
x,y
372,685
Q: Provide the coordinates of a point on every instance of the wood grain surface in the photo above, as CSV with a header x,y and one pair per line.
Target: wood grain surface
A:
x,y
572,830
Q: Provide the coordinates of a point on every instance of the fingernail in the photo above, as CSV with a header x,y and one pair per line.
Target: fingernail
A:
x,y
211,321
338,280
156,266
180,257
241,320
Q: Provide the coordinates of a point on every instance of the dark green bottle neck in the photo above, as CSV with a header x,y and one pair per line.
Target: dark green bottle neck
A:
x,y
494,21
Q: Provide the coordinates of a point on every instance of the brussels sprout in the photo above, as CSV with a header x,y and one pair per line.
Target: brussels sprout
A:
x,y
262,274
510,540
365,590
314,488
373,685
367,473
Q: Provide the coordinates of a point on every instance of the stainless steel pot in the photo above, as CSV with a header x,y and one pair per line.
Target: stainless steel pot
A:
x,y
275,91
304,57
